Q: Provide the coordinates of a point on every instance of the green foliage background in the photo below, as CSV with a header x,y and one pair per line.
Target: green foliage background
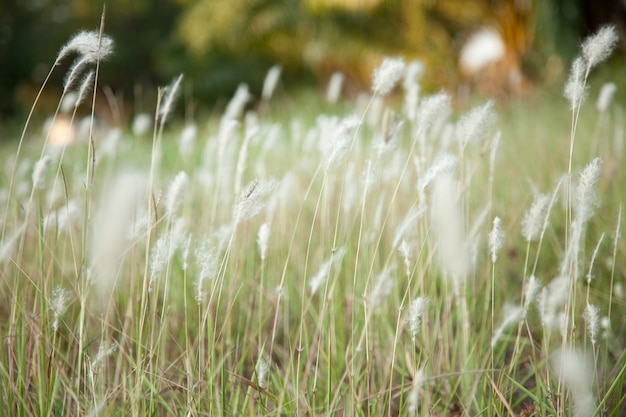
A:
x,y
219,43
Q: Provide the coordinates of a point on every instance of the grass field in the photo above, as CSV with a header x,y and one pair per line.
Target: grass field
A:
x,y
295,257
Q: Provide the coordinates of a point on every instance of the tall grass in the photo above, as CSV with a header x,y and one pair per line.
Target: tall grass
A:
x,y
313,258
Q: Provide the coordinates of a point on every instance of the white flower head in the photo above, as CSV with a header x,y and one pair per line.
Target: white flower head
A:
x,y
575,89
534,220
271,80
263,239
496,238
591,315
605,97
387,75
252,199
599,46
39,171
416,311
585,191
176,192
89,44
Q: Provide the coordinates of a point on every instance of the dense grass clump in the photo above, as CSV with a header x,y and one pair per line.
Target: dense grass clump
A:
x,y
380,258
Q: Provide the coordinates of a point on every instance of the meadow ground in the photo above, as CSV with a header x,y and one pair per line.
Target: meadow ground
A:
x,y
387,255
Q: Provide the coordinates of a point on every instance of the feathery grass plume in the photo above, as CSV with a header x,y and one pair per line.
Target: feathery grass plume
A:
x,y
187,140
142,123
592,320
252,199
605,325
186,251
449,231
411,87
85,88
341,139
8,246
535,218
333,93
63,218
413,400
58,305
39,171
575,89
444,164
512,315
68,103
169,97
431,108
411,101
175,193
103,353
405,252
251,132
368,177
575,370
605,97
116,221
89,45
74,72
236,105
473,125
164,249
387,75
496,238
208,267
263,239
409,220
531,288
317,280
416,311
271,80
551,300
599,46
262,370
593,259
383,285
412,74
585,193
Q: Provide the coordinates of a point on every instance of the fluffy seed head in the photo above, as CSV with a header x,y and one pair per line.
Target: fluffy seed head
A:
x,y
530,292
387,75
176,192
496,238
592,320
252,199
322,274
512,314
271,80
575,370
262,372
473,126
263,239
585,191
89,45
39,171
334,87
575,89
535,218
416,311
605,97
58,305
85,87
208,267
169,97
599,46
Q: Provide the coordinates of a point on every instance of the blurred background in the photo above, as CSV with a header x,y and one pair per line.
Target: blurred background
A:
x,y
218,44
